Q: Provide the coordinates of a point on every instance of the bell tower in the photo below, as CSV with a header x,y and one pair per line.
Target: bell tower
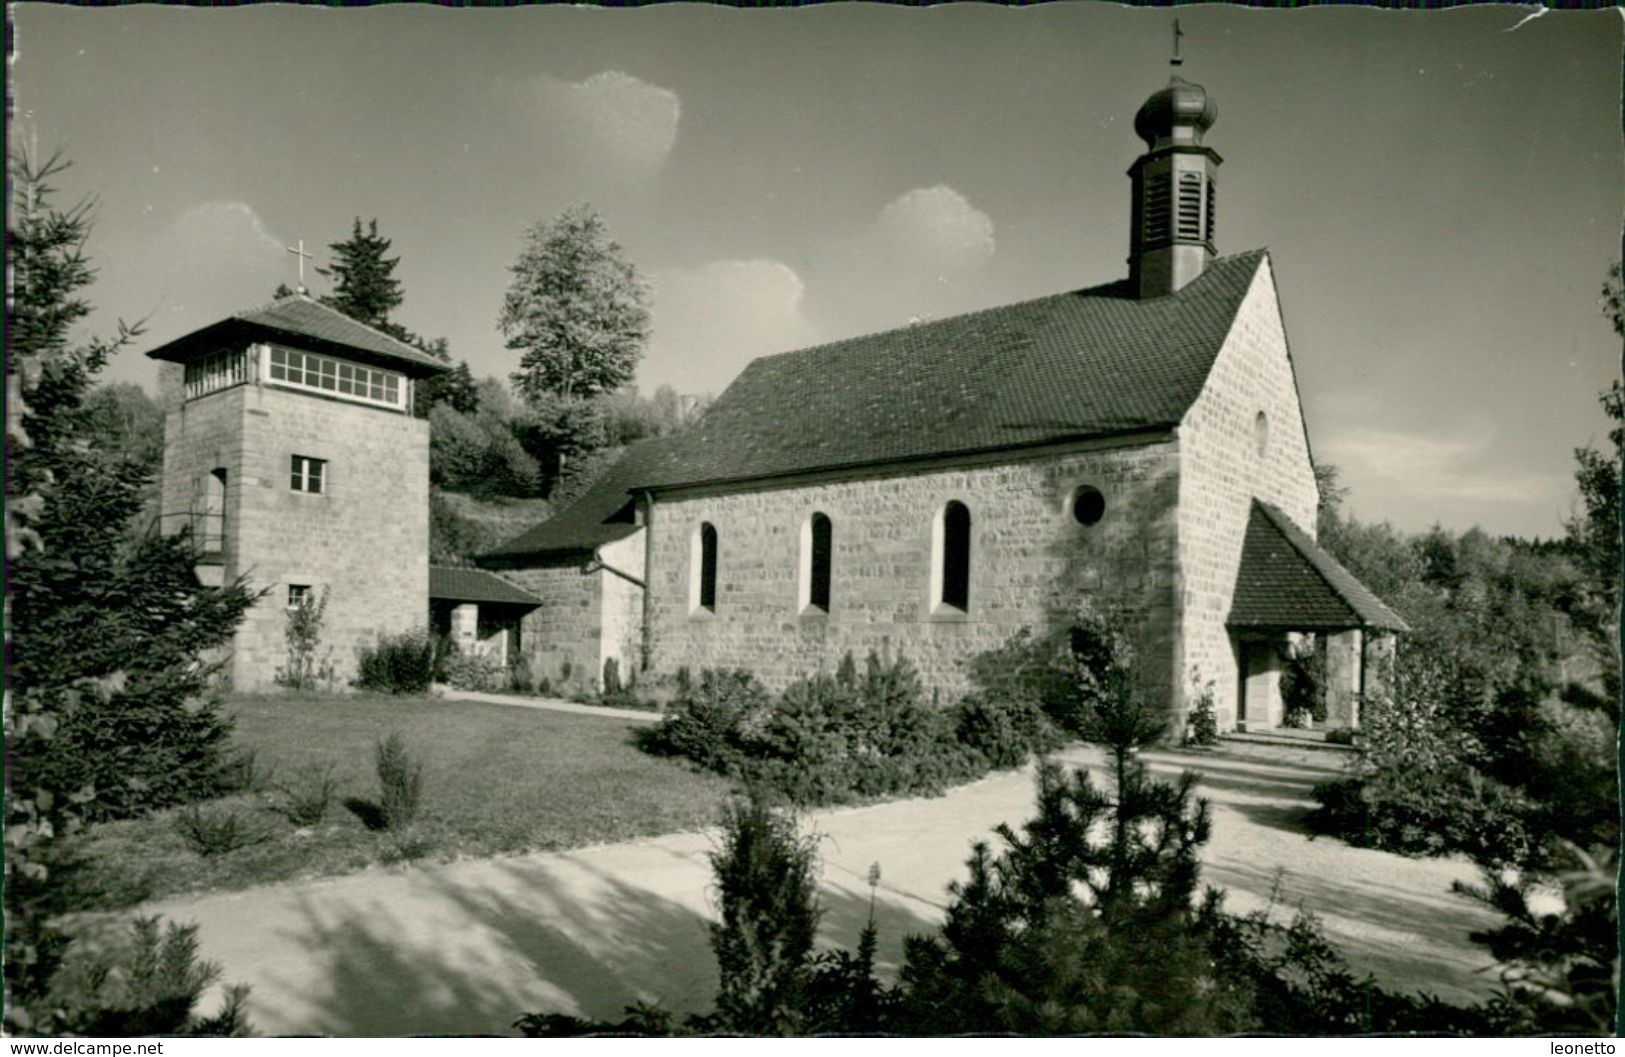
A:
x,y
1171,230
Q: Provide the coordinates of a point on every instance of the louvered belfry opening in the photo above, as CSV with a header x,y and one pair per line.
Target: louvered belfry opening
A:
x,y
1158,223
1171,238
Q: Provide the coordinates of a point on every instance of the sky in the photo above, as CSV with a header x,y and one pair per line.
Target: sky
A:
x,y
1441,192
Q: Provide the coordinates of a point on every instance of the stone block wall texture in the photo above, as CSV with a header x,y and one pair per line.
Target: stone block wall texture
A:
x,y
1029,560
365,538
1222,471
560,638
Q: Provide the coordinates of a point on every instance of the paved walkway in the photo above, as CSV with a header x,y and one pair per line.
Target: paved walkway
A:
x,y
549,704
465,947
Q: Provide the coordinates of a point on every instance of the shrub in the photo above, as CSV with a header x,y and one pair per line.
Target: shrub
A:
x,y
1442,811
146,981
308,798
475,671
612,677
1202,725
307,667
397,664
767,882
1005,731
215,832
400,783
1294,982
704,720
241,773
833,738
1414,787
520,681
1303,684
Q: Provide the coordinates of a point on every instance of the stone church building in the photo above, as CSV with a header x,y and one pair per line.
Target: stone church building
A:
x,y
931,490
937,488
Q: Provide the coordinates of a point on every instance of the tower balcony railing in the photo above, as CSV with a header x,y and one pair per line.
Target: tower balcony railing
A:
x,y
207,531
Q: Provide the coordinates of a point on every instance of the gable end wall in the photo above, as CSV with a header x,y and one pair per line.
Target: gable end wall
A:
x,y
1221,473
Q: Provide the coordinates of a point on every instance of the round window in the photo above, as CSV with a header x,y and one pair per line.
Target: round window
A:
x,y
1088,505
1261,433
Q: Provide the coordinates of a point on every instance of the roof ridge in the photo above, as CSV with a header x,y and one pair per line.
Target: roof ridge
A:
x,y
1001,307
316,303
244,313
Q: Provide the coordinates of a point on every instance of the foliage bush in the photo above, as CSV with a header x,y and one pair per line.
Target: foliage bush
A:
x,y
1413,787
767,887
520,680
307,799
1293,981
876,733
400,783
397,664
705,718
1303,683
1005,731
216,831
1202,724
830,738
307,668
145,981
475,671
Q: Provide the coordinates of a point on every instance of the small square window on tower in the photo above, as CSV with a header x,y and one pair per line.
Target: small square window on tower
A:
x,y
298,595
308,475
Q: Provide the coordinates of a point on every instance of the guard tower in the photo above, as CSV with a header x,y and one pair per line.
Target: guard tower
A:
x,y
291,452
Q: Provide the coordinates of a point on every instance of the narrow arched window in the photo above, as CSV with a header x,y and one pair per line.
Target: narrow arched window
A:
x,y
952,572
703,569
817,548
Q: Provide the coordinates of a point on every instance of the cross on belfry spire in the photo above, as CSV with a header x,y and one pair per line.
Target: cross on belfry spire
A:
x,y
303,256
1176,60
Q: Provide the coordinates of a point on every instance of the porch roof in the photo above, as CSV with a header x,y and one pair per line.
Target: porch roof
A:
x,y
1288,583
476,585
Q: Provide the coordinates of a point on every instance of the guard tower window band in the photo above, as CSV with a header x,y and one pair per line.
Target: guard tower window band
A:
x,y
304,370
216,371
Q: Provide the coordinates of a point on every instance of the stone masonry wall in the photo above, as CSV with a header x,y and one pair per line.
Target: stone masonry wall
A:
x,y
560,638
366,537
1222,471
1028,557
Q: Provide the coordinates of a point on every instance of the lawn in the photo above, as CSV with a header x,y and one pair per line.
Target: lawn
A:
x,y
497,780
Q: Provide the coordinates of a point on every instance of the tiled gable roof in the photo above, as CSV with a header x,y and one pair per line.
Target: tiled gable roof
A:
x,y
1086,363
1288,583
476,585
305,323
601,514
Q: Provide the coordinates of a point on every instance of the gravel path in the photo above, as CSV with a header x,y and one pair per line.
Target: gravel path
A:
x,y
464,947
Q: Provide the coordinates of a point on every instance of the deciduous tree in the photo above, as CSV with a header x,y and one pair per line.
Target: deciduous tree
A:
x,y
576,311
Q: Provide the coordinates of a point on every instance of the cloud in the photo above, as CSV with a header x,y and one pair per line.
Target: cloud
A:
x,y
711,320
937,228
1415,479
613,121
925,254
215,258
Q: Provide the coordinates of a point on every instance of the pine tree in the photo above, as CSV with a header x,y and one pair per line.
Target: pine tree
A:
x,y
106,713
767,882
364,283
576,310
1086,921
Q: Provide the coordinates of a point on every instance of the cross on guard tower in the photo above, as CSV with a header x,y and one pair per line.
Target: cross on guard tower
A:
x,y
291,452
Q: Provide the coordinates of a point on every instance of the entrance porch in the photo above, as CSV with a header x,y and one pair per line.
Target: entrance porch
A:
x,y
1297,613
